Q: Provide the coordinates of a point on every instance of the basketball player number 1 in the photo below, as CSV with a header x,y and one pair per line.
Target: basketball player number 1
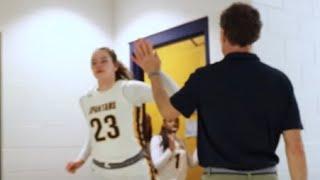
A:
x,y
177,160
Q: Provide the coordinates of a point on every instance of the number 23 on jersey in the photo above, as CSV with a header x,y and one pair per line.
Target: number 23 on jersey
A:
x,y
113,129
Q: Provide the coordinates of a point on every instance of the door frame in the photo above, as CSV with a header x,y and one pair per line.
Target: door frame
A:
x,y
178,33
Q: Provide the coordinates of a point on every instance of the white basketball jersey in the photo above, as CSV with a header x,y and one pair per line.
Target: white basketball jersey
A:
x,y
112,124
170,165
177,167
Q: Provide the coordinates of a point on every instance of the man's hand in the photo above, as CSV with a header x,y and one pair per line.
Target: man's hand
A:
x,y
150,63
145,56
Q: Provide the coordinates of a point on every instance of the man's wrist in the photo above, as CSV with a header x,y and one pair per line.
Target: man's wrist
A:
x,y
153,74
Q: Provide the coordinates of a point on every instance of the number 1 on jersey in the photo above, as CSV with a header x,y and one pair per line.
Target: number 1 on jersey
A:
x,y
177,160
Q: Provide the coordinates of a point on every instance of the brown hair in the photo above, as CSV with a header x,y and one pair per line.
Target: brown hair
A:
x,y
165,140
164,134
241,24
122,72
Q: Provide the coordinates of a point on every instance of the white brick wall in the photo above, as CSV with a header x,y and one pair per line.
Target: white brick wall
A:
x,y
38,139
131,16
46,49
290,42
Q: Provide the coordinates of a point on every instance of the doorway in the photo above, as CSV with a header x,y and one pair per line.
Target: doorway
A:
x,y
182,50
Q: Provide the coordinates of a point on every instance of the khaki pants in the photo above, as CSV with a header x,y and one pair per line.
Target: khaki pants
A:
x,y
239,177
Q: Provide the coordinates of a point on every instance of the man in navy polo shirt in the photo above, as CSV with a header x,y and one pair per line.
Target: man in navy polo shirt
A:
x,y
243,105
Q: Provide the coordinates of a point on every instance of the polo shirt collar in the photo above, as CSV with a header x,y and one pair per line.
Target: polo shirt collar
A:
x,y
240,56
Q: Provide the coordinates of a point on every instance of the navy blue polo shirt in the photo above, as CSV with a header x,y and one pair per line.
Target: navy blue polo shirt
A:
x,y
243,106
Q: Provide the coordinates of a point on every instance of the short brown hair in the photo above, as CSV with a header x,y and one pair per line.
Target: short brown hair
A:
x,y
241,24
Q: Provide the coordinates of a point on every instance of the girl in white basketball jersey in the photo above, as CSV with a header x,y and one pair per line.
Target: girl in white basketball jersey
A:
x,y
116,140
169,155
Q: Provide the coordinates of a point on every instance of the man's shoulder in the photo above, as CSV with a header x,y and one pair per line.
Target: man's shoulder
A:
x,y
209,68
275,72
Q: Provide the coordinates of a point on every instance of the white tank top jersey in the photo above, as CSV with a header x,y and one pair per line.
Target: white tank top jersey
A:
x,y
114,118
171,165
113,133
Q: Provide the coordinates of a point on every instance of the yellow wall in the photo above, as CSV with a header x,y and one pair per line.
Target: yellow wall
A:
x,y
179,60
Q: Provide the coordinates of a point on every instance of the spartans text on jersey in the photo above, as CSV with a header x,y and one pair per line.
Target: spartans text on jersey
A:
x,y
103,107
